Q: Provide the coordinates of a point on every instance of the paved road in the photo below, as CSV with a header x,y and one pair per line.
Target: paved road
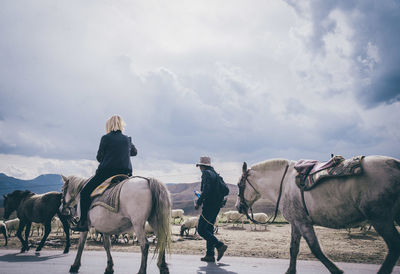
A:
x,y
53,262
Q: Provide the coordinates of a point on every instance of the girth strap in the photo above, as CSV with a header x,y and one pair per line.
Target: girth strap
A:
x,y
304,202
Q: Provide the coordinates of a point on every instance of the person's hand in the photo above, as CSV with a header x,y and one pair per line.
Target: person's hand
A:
x,y
196,206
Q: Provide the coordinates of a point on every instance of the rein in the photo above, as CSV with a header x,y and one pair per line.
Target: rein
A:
x,y
244,206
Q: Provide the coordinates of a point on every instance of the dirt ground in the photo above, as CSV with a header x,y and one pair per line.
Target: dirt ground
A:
x,y
244,241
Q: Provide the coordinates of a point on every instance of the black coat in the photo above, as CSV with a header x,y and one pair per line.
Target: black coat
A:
x,y
209,198
114,153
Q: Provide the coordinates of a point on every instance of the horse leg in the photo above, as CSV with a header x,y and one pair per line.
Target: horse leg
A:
x,y
294,249
47,229
66,231
307,231
163,266
107,246
21,227
144,247
4,231
77,263
391,237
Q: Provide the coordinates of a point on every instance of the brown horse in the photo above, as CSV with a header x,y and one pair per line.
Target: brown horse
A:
x,y
38,208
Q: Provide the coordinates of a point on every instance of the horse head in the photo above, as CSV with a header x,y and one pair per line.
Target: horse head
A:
x,y
12,201
247,195
70,193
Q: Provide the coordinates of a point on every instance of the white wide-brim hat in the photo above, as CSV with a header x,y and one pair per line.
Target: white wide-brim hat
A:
x,y
204,161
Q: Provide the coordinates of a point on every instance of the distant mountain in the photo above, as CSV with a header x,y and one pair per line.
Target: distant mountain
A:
x,y
42,184
181,194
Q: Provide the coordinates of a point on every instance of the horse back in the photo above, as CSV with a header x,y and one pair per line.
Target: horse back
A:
x,y
341,202
40,208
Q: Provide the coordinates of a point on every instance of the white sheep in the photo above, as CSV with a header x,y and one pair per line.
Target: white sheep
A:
x,y
177,213
188,224
216,225
260,217
57,225
94,235
234,217
38,227
12,226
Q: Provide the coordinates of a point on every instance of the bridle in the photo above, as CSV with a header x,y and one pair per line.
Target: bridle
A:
x,y
68,205
243,207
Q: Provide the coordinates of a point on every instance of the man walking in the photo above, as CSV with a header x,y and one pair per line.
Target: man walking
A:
x,y
211,200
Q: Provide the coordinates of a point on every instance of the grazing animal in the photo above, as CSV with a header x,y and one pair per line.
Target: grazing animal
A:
x,y
338,202
3,230
38,208
57,225
177,214
188,224
38,228
12,226
140,200
262,218
234,217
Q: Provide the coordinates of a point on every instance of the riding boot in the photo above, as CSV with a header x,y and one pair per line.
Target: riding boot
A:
x,y
82,225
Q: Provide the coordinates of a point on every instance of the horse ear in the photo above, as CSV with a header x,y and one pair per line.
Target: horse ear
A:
x,y
65,179
244,168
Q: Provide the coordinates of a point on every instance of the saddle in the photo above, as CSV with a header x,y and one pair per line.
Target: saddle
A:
x,y
311,172
110,182
107,194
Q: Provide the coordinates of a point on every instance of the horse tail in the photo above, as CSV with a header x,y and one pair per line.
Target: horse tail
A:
x,y
160,216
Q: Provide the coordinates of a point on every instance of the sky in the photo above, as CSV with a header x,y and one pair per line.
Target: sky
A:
x,y
233,80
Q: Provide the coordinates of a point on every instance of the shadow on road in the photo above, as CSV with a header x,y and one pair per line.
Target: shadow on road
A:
x,y
211,268
18,257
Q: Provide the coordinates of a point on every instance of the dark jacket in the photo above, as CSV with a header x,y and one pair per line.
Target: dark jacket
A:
x,y
209,196
114,153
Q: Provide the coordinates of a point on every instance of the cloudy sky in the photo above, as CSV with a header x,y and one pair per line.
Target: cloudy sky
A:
x,y
235,80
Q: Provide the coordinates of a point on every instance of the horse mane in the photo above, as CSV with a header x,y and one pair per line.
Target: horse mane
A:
x,y
22,193
75,183
268,164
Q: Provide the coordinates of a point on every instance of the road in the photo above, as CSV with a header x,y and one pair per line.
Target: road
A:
x,y
53,262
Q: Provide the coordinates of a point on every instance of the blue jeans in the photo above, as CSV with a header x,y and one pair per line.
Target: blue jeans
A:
x,y
206,230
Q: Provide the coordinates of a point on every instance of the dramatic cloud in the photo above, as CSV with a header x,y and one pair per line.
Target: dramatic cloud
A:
x,y
220,78
372,27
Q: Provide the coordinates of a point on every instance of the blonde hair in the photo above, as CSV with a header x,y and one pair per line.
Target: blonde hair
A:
x,y
115,123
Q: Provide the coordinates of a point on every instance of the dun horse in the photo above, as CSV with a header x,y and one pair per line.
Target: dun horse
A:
x,y
141,200
38,208
338,202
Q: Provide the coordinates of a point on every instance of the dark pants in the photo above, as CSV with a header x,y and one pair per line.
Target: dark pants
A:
x,y
94,182
206,230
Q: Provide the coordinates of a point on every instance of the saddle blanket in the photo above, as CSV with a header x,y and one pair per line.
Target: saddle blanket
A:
x,y
311,173
107,194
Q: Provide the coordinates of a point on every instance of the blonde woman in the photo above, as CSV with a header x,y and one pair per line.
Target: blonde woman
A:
x,y
114,157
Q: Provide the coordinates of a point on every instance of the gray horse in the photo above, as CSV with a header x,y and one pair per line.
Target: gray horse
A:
x,y
38,208
338,202
141,199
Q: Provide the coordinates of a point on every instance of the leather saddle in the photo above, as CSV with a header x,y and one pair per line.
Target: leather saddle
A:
x,y
110,182
311,172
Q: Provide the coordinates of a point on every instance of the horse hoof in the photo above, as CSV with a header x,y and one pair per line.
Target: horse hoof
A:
x,y
38,249
66,250
164,270
109,271
74,269
22,250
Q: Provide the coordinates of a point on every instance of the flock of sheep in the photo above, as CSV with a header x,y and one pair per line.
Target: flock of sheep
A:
x,y
10,227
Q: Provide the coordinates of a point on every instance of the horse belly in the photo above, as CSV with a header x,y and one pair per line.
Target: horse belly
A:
x,y
108,222
335,207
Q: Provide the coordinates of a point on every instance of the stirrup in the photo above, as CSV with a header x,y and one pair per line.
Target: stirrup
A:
x,y
74,220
